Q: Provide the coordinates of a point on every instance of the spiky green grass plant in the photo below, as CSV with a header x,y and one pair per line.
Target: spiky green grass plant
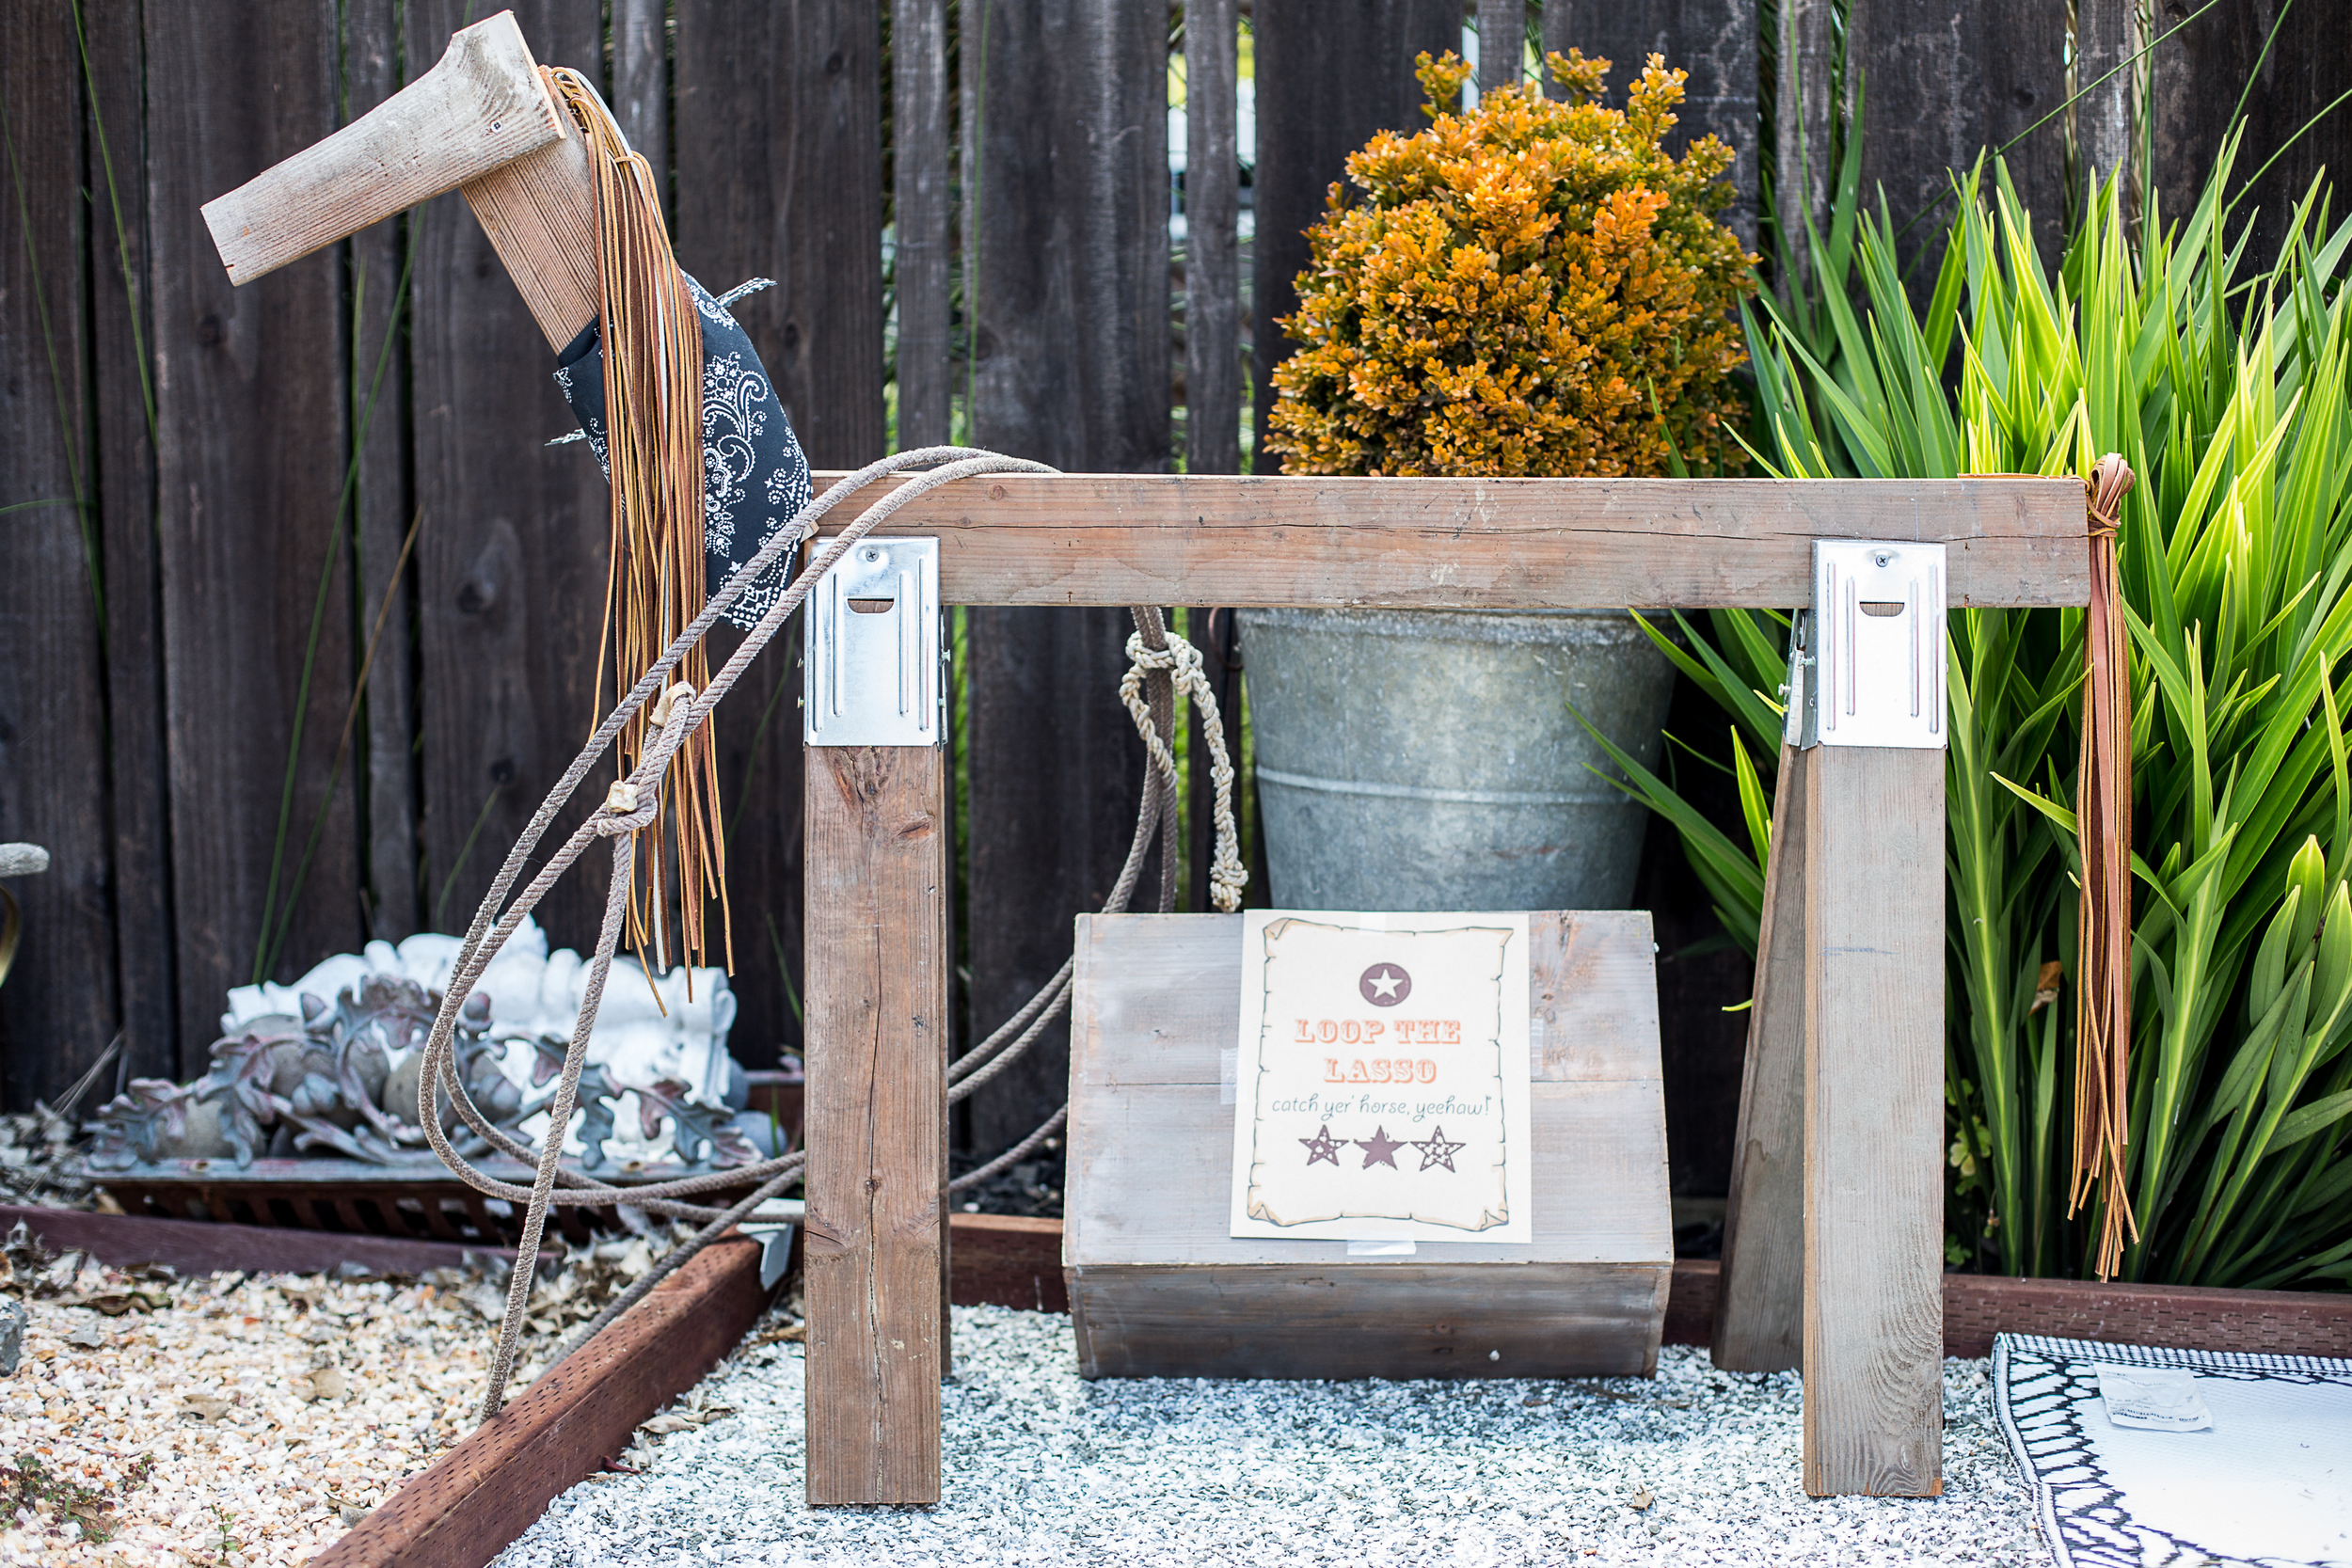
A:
x,y
2224,388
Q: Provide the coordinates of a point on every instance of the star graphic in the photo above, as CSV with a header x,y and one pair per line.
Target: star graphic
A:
x,y
1435,1151
1384,984
1325,1147
1379,1150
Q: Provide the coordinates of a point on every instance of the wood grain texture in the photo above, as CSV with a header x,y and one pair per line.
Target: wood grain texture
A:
x,y
641,84
539,213
1067,293
1806,91
384,756
921,198
779,175
1873,1122
58,1008
1943,80
1716,42
2285,65
200,1246
251,419
122,334
1502,44
1212,241
1106,539
1150,1182
1006,1260
500,1477
511,561
481,105
1337,1320
1329,74
1759,1322
2106,36
877,1073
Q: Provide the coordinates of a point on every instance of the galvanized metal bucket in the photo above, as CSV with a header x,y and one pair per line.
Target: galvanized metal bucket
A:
x,y
1428,759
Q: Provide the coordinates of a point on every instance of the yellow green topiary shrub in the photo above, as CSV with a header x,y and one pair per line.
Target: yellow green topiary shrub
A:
x,y
1535,288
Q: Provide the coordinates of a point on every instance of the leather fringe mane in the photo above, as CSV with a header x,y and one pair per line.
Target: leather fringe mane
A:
x,y
2103,1014
651,334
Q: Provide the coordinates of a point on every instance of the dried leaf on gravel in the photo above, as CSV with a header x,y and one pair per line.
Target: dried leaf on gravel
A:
x,y
205,1407
326,1383
685,1421
489,1302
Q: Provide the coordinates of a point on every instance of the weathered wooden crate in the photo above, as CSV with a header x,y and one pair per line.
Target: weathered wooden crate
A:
x,y
1158,1289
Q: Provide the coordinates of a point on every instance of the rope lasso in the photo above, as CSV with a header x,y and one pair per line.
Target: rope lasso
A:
x,y
2102,1009
633,802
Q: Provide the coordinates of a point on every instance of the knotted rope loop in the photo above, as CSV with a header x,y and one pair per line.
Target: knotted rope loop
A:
x,y
2102,819
2109,483
1181,663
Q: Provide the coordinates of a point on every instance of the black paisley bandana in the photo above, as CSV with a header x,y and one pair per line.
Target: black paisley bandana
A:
x,y
754,480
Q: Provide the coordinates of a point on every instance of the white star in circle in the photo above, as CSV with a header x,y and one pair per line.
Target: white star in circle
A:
x,y
1384,985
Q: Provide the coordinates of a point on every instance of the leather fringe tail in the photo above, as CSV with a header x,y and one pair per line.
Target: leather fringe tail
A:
x,y
651,333
2103,1014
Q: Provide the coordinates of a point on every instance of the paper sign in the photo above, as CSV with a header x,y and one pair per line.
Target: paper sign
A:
x,y
1381,1077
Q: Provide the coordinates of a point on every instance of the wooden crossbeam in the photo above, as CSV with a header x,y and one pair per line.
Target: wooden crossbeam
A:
x,y
1478,544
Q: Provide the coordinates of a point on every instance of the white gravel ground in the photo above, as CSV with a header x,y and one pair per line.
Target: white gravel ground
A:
x,y
1044,1467
230,1421
225,1421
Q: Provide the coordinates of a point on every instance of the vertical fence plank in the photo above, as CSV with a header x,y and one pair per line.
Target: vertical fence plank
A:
x,y
511,561
385,605
920,198
1212,242
251,463
1212,369
641,84
1804,93
1330,72
779,175
2111,84
1502,44
1942,82
2286,64
779,165
1714,40
57,1009
1067,240
121,333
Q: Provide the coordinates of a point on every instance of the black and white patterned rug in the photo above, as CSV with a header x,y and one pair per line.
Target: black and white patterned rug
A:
x,y
2269,1483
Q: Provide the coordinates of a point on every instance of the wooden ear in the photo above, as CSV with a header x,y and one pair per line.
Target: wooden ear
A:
x,y
481,107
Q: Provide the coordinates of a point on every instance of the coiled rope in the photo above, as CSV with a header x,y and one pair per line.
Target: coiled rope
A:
x,y
677,711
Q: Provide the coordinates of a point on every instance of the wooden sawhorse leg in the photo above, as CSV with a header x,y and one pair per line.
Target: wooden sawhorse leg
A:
x,y
877,882
1839,1159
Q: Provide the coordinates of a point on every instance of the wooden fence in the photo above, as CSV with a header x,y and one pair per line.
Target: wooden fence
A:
x,y
316,519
